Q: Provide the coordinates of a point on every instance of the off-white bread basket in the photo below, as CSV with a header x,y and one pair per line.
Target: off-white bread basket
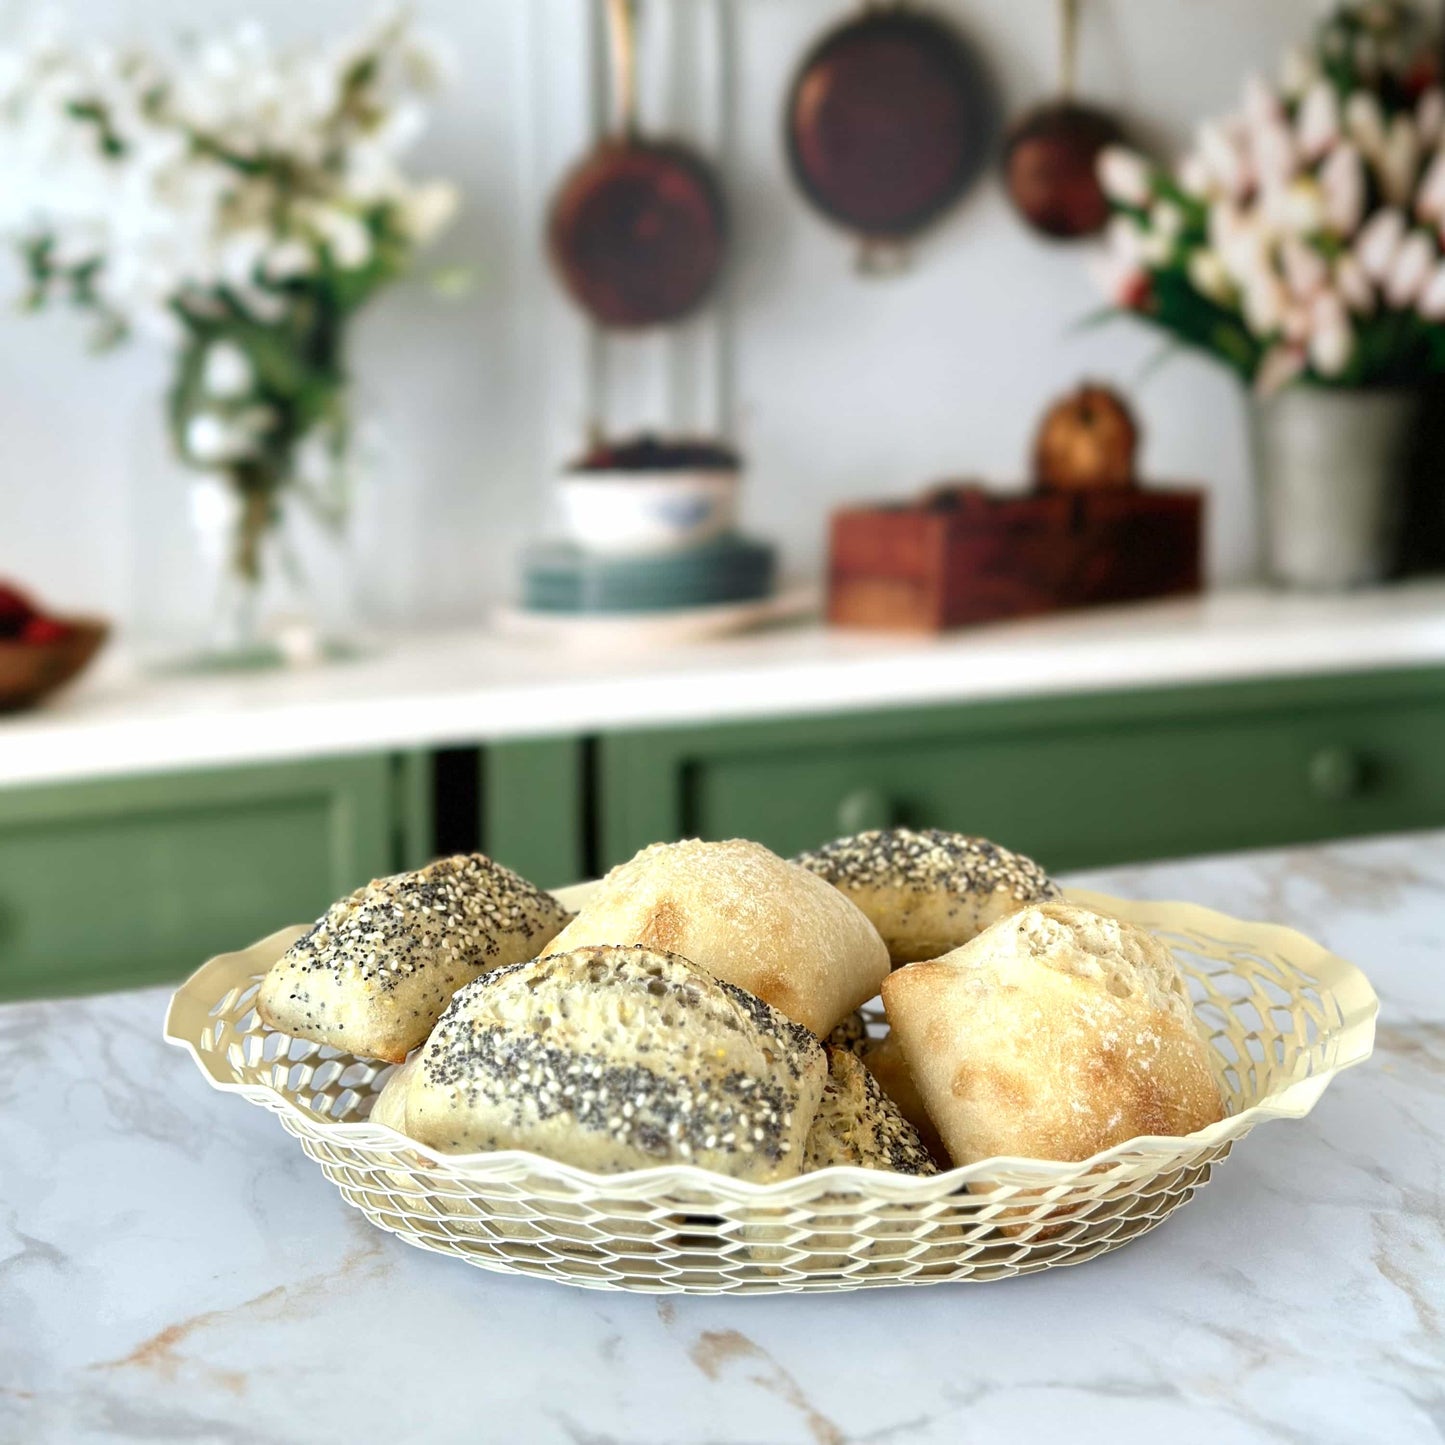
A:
x,y
1282,1016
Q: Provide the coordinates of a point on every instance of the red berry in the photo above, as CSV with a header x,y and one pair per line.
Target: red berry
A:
x,y
41,630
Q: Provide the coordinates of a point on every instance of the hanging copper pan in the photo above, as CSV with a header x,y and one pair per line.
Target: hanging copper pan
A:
x,y
1051,158
637,230
888,123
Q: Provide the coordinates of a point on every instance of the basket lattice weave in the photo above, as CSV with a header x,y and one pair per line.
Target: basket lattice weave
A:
x,y
1282,1016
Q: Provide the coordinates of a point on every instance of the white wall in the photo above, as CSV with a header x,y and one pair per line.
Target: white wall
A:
x,y
837,386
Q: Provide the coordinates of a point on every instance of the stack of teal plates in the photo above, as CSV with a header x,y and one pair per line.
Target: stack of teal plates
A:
x,y
561,577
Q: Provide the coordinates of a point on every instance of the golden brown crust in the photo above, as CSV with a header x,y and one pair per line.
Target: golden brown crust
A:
x,y
1053,1035
748,917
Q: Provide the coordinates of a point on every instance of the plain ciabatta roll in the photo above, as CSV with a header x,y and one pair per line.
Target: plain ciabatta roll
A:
x,y
748,917
617,1058
1054,1034
928,891
377,969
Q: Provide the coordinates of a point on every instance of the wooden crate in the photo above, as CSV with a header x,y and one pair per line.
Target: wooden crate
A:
x,y
965,555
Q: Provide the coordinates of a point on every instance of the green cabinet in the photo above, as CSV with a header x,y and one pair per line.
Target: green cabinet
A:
x,y
111,884
1078,781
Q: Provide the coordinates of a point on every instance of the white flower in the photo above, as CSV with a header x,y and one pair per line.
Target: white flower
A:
x,y
1193,176
1342,184
1431,304
1265,302
1411,269
1275,156
1430,115
1223,157
1125,176
1379,241
1317,123
1279,366
288,259
344,234
1305,270
1353,285
1399,161
428,209
1298,208
227,372
213,440
1125,240
1332,338
1209,276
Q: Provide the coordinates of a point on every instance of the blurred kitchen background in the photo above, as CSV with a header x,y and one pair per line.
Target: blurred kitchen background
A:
x,y
497,680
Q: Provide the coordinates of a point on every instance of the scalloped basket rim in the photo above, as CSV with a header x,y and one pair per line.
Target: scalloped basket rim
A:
x,y
1358,1002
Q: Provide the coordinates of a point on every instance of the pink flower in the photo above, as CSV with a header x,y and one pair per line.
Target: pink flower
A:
x,y
1279,366
1342,180
1223,157
1265,303
1125,176
1275,159
1379,240
1123,283
1365,122
1411,269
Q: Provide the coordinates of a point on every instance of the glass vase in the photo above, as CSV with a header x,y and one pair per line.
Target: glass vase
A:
x,y
228,574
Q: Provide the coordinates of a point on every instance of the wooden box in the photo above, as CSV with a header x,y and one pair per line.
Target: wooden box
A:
x,y
964,555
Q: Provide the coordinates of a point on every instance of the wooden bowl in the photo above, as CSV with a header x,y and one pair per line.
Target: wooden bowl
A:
x,y
31,671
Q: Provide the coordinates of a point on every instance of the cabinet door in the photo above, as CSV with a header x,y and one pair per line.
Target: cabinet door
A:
x,y
106,885
1079,782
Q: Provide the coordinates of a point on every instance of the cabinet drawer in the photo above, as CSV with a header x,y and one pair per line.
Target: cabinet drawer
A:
x,y
1080,782
107,885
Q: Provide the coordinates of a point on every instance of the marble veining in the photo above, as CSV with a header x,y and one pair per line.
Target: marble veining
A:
x,y
173,1269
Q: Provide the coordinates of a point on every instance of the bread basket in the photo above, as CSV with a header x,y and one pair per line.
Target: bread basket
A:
x,y
1282,1016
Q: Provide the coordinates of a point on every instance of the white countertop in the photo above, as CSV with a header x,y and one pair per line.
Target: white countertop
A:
x,y
173,1268
422,690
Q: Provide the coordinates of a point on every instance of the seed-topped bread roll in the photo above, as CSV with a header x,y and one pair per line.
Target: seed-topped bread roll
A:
x,y
883,1058
614,1058
929,891
1056,1033
378,968
390,1105
746,916
857,1124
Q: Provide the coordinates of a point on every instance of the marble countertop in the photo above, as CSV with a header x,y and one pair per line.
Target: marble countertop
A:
x,y
464,687
172,1268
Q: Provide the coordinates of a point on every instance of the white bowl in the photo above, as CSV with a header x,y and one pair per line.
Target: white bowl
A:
x,y
621,513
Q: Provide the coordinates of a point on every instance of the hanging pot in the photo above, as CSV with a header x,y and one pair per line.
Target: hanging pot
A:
x,y
888,122
637,229
1051,156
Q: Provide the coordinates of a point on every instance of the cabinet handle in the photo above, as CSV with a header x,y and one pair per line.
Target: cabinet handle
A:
x,y
867,808
1336,773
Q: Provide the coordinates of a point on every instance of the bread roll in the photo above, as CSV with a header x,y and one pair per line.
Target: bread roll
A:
x,y
746,916
883,1058
390,1105
615,1058
856,1124
928,892
1054,1034
376,971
